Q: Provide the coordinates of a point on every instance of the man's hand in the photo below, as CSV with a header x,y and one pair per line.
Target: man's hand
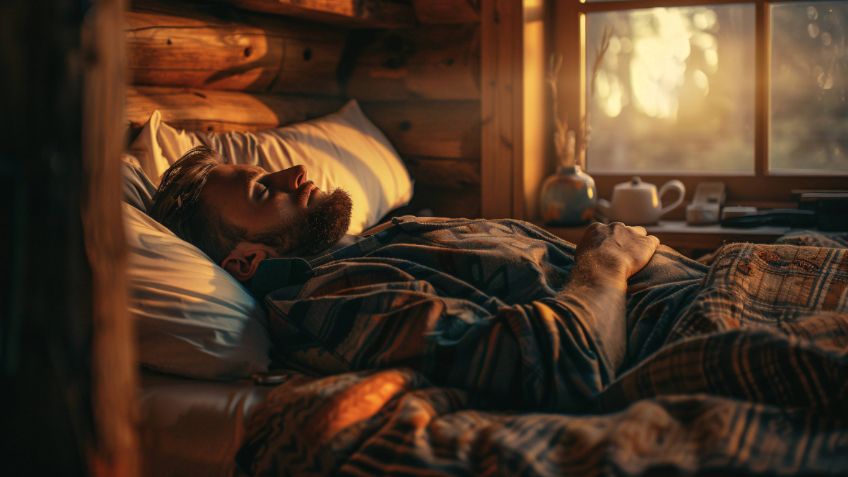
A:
x,y
615,249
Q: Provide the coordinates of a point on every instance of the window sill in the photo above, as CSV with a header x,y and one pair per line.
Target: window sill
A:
x,y
689,238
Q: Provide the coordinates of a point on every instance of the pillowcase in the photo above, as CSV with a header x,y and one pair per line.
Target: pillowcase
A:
x,y
138,188
192,318
343,149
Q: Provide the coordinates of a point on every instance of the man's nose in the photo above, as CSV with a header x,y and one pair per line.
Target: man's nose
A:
x,y
287,180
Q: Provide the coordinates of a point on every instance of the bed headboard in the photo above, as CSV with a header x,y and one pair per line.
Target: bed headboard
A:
x,y
255,64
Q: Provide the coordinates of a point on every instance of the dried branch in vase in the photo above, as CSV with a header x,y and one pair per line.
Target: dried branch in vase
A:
x,y
565,139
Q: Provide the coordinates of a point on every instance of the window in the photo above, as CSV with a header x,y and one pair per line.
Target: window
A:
x,y
753,93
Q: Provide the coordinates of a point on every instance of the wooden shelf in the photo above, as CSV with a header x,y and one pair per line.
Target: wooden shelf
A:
x,y
684,237
348,13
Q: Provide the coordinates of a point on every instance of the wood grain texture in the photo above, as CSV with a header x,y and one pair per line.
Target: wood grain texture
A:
x,y
446,202
444,173
434,62
349,13
445,129
447,11
210,110
204,48
113,357
502,108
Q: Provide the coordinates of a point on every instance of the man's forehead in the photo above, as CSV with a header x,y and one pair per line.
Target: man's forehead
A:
x,y
235,170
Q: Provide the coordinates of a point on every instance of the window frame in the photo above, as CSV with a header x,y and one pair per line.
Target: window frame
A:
x,y
761,188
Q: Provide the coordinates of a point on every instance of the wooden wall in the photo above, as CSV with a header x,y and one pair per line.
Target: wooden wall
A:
x,y
215,67
421,86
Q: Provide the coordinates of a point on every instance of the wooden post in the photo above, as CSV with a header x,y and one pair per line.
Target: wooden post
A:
x,y
515,131
113,358
65,349
501,86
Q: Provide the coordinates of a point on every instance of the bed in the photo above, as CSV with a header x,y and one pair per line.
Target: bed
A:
x,y
754,389
191,427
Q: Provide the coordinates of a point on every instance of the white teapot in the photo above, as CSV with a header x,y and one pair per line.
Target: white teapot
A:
x,y
637,203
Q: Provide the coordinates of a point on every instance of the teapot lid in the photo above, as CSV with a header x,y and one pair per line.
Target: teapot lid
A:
x,y
635,183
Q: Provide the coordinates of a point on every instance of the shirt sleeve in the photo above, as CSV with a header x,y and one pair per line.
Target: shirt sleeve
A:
x,y
541,355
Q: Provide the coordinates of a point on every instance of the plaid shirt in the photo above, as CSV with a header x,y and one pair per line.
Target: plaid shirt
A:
x,y
469,303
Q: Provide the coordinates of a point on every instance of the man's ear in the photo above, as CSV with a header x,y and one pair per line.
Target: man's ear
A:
x,y
245,258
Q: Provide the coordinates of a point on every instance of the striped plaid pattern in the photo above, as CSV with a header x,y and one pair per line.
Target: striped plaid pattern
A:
x,y
737,369
471,304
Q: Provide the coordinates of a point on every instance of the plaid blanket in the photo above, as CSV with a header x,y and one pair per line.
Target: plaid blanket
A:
x,y
742,370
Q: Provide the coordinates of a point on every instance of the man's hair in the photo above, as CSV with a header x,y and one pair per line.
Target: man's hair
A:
x,y
177,205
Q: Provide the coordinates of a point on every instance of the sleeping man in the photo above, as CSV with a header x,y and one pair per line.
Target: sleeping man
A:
x,y
500,308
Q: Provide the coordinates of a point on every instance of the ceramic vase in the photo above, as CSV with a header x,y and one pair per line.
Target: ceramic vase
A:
x,y
568,197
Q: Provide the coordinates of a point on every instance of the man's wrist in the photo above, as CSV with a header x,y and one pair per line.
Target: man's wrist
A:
x,y
596,271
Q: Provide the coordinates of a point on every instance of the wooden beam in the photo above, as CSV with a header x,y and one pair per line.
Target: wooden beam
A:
x,y
348,13
502,107
210,110
422,63
65,360
202,48
447,11
113,357
446,129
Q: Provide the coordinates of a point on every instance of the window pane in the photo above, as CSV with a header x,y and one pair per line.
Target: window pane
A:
x,y
675,90
809,83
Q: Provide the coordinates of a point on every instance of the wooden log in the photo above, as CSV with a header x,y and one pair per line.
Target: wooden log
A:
x,y
348,13
218,111
444,173
447,11
423,63
444,129
203,48
447,129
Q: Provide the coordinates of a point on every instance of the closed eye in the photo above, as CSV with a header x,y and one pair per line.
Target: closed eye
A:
x,y
259,191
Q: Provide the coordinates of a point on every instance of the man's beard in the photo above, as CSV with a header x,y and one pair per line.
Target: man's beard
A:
x,y
316,229
325,223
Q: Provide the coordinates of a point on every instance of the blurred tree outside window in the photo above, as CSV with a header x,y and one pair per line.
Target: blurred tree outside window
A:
x,y
676,90
809,79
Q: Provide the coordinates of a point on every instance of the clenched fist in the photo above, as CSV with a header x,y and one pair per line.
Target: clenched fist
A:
x,y
615,249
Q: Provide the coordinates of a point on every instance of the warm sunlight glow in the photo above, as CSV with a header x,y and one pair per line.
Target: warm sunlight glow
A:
x,y
673,91
535,117
658,60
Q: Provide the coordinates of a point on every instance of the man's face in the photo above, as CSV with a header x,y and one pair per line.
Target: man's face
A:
x,y
282,208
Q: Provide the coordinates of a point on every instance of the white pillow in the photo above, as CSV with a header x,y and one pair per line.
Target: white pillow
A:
x,y
343,149
138,189
192,317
